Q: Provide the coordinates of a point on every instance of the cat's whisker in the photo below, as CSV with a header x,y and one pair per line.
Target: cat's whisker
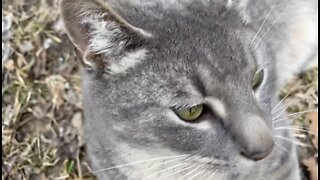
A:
x,y
192,171
166,162
283,110
296,129
300,135
282,107
294,114
138,162
285,150
284,98
281,147
224,175
265,33
172,167
292,127
264,21
205,174
197,174
291,141
279,120
214,172
276,108
181,170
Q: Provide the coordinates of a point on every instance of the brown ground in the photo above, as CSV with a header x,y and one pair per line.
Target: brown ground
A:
x,y
42,114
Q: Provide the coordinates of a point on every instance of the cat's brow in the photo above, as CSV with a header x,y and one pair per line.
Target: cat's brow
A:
x,y
199,85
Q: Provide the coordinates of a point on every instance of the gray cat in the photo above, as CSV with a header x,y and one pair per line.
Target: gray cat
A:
x,y
187,89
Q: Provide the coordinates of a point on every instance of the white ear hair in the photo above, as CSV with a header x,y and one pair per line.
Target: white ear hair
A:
x,y
102,37
102,33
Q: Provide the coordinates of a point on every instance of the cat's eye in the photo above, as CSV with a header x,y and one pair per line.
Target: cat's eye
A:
x,y
190,114
257,79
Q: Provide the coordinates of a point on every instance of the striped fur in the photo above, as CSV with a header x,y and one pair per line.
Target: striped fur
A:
x,y
150,58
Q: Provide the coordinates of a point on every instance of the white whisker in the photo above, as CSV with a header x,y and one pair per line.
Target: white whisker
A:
x,y
284,98
302,112
296,129
270,27
214,172
225,175
279,120
291,141
300,135
197,174
172,167
281,112
281,147
205,174
293,114
285,107
166,162
264,21
192,171
176,172
137,162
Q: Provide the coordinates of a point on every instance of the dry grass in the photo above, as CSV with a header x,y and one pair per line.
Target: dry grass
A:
x,y
41,113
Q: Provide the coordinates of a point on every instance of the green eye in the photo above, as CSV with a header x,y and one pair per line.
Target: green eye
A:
x,y
257,79
190,114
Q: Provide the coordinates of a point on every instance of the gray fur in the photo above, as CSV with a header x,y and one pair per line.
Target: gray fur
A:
x,y
193,50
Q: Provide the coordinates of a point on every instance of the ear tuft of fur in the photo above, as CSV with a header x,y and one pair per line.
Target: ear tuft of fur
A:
x,y
95,29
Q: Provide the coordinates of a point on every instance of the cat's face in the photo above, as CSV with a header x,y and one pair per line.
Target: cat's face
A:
x,y
179,92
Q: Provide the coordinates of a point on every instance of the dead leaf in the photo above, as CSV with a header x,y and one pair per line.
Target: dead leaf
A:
x,y
314,126
54,38
312,166
78,124
9,65
56,85
26,46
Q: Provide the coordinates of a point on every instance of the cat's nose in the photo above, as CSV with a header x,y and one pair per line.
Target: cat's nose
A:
x,y
257,141
257,154
253,136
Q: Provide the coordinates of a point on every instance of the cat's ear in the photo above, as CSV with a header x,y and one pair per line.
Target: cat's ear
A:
x,y
240,6
100,36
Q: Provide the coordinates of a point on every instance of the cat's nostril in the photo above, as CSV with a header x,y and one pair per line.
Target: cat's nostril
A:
x,y
258,154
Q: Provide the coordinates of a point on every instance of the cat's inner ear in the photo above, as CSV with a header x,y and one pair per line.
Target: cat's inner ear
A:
x,y
98,33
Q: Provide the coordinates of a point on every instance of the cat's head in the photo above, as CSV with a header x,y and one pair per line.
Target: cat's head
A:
x,y
187,86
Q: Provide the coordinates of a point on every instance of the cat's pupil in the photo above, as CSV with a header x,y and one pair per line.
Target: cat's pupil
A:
x,y
257,79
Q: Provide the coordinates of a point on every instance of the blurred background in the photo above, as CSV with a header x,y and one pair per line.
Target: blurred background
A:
x,y
42,136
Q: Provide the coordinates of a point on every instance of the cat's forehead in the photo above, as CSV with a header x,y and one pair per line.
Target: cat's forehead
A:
x,y
223,53
221,45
